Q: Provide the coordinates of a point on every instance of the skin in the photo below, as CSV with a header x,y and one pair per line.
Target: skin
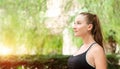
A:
x,y
95,56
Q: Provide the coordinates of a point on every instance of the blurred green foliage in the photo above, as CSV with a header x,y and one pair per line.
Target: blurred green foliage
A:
x,y
22,23
46,61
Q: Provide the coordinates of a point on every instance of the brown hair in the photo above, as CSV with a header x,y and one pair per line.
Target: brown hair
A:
x,y
96,30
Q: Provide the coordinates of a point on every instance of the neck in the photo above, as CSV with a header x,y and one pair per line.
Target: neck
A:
x,y
88,39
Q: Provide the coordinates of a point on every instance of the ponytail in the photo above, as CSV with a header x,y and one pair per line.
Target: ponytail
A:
x,y
96,31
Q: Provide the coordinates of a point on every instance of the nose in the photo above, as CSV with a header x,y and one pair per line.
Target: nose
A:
x,y
74,26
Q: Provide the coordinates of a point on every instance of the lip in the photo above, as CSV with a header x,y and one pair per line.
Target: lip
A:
x,y
75,30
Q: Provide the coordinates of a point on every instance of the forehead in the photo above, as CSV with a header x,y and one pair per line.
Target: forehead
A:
x,y
80,18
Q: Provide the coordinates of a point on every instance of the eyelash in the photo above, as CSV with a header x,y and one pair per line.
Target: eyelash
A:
x,y
77,23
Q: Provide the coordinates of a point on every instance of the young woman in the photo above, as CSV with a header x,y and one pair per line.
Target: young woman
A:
x,y
91,54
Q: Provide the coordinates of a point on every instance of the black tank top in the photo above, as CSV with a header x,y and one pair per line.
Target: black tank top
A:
x,y
79,61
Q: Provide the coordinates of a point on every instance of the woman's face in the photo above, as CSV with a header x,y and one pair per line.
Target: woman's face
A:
x,y
81,28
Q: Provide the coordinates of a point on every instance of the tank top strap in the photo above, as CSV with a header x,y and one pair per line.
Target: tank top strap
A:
x,y
91,46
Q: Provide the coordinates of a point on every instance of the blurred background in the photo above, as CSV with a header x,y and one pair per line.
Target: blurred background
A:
x,y
44,27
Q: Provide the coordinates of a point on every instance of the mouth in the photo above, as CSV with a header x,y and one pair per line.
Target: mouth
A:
x,y
75,30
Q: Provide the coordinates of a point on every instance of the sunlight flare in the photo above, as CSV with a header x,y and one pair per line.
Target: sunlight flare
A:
x,y
5,50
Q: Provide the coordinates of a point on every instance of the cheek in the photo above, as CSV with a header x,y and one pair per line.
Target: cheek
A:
x,y
81,30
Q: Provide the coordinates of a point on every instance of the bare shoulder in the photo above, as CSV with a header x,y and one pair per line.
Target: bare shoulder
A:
x,y
99,57
98,50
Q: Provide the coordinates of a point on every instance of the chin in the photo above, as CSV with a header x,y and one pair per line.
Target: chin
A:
x,y
76,35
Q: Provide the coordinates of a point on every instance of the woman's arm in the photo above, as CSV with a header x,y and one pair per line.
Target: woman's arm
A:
x,y
99,58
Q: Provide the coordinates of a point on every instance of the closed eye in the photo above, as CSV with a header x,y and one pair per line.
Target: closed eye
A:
x,y
77,23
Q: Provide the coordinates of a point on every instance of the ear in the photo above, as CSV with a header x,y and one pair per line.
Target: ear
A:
x,y
90,26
